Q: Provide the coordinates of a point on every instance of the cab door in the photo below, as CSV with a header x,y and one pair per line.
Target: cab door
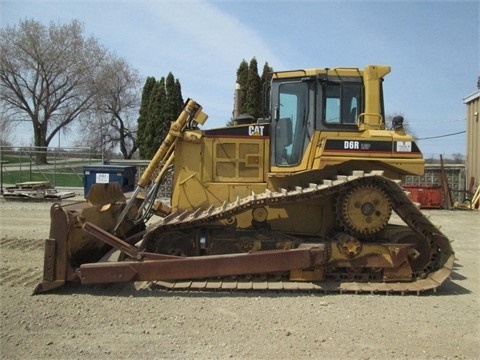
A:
x,y
292,124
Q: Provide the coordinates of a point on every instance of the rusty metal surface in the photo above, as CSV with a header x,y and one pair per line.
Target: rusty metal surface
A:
x,y
429,197
56,270
103,194
111,240
420,285
200,267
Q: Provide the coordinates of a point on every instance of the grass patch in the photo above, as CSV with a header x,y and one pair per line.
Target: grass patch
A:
x,y
15,159
60,178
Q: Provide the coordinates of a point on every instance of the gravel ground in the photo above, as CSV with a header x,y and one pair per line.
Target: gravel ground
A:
x,y
117,322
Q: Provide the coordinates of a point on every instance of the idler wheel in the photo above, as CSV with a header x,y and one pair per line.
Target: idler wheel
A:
x,y
422,256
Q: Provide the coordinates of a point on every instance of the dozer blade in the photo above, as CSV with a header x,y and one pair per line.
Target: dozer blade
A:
x,y
69,245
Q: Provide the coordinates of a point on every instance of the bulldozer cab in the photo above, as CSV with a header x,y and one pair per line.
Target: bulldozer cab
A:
x,y
335,118
303,103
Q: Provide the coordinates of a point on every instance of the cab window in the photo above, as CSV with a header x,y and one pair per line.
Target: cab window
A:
x,y
291,125
342,103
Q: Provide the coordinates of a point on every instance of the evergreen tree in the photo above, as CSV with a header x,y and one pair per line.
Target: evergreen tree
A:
x,y
242,80
177,95
253,96
143,115
158,115
253,99
173,100
151,127
265,81
160,106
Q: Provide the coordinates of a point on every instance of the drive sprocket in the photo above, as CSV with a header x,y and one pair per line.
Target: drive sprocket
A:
x,y
364,209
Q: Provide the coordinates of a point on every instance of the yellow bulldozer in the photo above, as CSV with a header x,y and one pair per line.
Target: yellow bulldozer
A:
x,y
308,198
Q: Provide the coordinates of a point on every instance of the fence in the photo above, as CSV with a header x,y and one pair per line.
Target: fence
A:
x,y
64,165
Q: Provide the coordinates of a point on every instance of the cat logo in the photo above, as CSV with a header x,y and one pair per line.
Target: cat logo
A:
x,y
255,130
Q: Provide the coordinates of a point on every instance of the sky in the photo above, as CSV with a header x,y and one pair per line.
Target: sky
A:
x,y
433,48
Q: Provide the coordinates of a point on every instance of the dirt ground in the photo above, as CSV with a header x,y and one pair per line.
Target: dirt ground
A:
x,y
119,322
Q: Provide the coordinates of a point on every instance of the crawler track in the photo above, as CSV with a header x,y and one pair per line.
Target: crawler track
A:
x,y
437,269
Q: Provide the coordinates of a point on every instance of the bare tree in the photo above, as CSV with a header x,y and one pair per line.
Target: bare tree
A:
x,y
48,76
118,105
6,130
111,124
91,134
